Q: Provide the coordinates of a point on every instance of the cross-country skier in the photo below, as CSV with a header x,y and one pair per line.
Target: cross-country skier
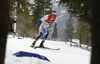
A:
x,y
43,24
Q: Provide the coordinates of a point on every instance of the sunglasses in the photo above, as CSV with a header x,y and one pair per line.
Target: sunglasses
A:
x,y
54,15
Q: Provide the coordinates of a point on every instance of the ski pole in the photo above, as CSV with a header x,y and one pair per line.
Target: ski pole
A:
x,y
34,27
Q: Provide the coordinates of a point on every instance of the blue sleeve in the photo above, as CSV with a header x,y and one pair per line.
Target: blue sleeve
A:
x,y
39,22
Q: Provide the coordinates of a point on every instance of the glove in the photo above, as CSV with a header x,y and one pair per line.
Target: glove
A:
x,y
38,25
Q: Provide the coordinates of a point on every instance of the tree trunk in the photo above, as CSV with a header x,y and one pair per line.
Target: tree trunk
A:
x,y
80,39
95,58
87,41
4,23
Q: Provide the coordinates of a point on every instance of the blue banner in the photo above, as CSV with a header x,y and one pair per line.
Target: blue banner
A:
x,y
28,54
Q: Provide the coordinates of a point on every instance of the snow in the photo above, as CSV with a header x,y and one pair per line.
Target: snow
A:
x,y
66,54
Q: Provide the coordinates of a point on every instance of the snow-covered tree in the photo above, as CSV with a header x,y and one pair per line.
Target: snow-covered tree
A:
x,y
54,35
69,30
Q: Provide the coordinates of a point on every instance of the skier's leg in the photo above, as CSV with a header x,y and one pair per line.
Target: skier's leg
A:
x,y
38,36
45,37
41,45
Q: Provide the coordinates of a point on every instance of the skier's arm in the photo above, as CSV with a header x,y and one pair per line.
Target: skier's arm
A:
x,y
39,22
37,25
42,19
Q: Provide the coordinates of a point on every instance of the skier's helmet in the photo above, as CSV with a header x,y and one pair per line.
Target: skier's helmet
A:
x,y
54,13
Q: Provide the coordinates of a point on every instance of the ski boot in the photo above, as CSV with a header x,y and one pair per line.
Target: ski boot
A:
x,y
33,43
41,45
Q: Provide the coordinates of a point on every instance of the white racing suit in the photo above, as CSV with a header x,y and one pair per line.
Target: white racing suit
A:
x,y
44,26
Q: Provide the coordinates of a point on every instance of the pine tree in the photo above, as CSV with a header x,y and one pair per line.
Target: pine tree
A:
x,y
82,28
54,35
20,8
69,30
77,8
83,32
41,8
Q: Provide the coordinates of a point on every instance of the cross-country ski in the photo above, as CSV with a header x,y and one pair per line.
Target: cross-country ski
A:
x,y
35,47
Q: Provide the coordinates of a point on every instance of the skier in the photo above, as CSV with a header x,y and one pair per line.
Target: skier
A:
x,y
43,24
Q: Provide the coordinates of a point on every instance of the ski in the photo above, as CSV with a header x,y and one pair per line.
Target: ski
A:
x,y
35,47
47,48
